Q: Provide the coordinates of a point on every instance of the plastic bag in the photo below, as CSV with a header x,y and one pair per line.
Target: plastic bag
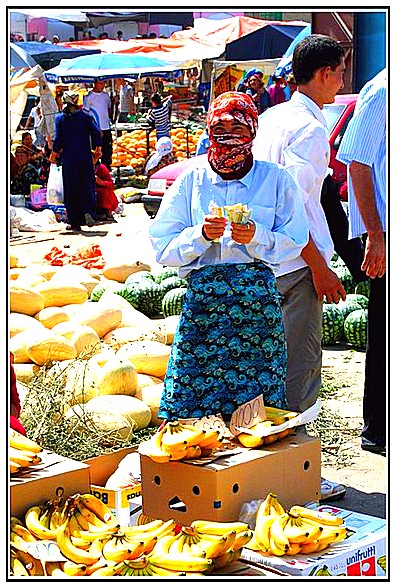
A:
x,y
55,185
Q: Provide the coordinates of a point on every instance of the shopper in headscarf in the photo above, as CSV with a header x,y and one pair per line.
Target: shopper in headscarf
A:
x,y
229,346
162,156
76,135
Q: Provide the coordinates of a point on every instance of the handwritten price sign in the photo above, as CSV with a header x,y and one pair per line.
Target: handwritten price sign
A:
x,y
247,415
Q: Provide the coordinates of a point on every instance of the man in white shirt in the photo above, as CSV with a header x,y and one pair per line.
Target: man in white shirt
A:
x,y
97,102
294,135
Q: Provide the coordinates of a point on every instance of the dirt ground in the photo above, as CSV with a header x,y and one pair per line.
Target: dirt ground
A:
x,y
365,475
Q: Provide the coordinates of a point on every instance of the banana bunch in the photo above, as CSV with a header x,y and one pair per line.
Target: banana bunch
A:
x,y
261,434
176,441
298,530
382,562
23,452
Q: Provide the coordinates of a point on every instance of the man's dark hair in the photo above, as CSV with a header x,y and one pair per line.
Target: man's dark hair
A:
x,y
313,53
156,98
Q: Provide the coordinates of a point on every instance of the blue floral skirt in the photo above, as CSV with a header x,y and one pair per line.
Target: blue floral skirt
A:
x,y
229,346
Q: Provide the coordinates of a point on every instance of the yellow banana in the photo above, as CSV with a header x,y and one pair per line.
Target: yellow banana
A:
x,y
218,528
332,534
18,441
241,539
213,549
299,530
14,467
165,529
19,528
99,509
222,560
162,545
91,523
178,455
17,541
211,439
279,416
193,452
19,457
184,563
153,448
320,517
261,536
279,543
101,563
267,439
96,547
147,527
294,548
34,524
249,440
115,549
176,547
272,505
175,433
154,570
70,550
72,569
310,547
113,570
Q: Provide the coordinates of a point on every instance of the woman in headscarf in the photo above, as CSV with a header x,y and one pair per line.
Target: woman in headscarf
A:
x,y
76,135
162,156
229,346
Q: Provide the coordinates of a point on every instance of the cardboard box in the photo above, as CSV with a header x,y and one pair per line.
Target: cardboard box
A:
x,y
363,553
217,490
126,504
56,476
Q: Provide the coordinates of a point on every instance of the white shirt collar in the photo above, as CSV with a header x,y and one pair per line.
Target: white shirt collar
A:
x,y
217,179
300,98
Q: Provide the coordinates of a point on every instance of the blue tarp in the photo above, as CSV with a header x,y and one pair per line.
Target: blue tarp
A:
x,y
268,42
285,65
48,55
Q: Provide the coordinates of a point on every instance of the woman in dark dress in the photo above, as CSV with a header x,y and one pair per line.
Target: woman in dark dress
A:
x,y
76,135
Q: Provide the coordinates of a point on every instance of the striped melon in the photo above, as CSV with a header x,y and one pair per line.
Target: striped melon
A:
x,y
360,299
172,302
363,288
346,278
173,282
166,272
332,322
146,296
355,328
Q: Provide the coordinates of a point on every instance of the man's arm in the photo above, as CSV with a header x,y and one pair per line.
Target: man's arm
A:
x,y
374,262
326,282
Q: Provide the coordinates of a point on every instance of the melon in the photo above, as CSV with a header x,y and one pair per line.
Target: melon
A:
x,y
120,271
148,357
122,335
51,316
20,342
355,328
25,300
20,322
25,372
172,302
80,381
146,380
102,318
166,272
50,347
85,340
167,327
59,293
332,322
118,376
151,395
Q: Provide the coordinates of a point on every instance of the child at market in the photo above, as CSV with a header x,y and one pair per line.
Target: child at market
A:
x,y
106,199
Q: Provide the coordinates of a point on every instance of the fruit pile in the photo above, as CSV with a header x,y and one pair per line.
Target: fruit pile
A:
x,y
23,453
94,544
298,530
261,433
177,442
130,148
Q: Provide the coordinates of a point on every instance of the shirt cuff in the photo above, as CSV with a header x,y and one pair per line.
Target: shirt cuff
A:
x,y
261,236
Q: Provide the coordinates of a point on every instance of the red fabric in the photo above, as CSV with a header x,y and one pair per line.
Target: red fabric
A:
x,y
105,196
15,402
89,257
230,153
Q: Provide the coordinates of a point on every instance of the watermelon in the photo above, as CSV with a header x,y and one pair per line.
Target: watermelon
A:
x,y
172,302
361,299
98,290
146,296
355,328
346,278
363,288
138,277
172,282
332,322
166,272
347,306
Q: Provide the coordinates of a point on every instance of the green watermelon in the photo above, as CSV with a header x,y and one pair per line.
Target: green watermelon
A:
x,y
146,296
139,276
166,272
98,290
332,322
172,302
346,278
355,328
348,306
172,282
361,299
363,288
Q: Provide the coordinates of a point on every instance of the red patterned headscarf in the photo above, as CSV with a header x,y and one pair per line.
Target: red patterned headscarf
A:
x,y
229,153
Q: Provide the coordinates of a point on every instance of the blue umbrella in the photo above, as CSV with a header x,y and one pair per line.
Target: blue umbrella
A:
x,y
284,67
19,58
106,65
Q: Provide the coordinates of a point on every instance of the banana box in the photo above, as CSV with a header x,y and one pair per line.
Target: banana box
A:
x,y
361,554
126,504
55,476
217,489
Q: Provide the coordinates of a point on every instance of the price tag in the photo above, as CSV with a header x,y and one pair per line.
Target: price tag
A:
x,y
248,414
208,423
45,550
